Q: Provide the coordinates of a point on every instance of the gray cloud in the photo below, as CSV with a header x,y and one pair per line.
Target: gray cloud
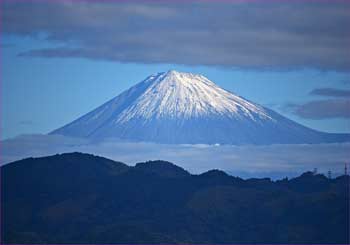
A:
x,y
280,35
239,160
338,106
322,109
331,92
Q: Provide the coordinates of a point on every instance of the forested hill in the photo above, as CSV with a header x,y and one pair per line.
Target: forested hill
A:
x,y
81,198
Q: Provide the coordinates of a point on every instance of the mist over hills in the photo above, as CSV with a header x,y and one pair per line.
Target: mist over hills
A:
x,y
184,108
81,198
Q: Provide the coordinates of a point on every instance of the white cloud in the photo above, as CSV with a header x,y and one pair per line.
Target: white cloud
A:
x,y
249,160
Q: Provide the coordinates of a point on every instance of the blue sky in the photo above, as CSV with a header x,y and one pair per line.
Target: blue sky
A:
x,y
58,70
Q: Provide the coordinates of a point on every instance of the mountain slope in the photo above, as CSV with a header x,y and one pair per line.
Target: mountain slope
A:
x,y
176,107
79,198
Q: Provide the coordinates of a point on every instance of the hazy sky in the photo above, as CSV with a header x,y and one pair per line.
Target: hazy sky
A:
x,y
62,59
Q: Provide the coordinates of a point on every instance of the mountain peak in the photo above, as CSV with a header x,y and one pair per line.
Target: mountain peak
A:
x,y
182,74
172,72
177,78
180,107
175,72
183,95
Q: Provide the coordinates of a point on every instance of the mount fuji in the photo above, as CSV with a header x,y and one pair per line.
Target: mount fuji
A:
x,y
183,108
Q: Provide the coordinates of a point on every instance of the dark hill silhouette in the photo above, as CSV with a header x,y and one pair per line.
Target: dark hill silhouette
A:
x,y
162,168
81,198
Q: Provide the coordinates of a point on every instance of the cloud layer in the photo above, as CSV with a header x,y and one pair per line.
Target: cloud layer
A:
x,y
272,160
252,34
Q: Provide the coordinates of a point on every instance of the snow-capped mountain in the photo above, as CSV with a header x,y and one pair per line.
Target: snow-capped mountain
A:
x,y
177,107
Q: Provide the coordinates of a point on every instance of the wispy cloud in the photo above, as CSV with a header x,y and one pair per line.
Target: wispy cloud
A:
x,y
336,106
26,122
252,34
7,45
331,92
321,109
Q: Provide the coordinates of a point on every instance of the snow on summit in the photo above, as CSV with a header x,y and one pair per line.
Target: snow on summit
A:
x,y
176,107
184,95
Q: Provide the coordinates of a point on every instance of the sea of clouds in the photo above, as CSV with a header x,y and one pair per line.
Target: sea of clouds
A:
x,y
275,161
